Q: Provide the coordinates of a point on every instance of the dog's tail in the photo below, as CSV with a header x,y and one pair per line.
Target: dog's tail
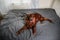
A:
x,y
46,19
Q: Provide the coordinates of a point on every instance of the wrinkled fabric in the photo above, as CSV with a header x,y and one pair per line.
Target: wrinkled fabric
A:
x,y
45,31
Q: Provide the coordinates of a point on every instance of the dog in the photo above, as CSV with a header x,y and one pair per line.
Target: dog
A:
x,y
31,21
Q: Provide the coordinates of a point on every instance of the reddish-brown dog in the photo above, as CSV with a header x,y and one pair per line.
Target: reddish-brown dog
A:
x,y
31,21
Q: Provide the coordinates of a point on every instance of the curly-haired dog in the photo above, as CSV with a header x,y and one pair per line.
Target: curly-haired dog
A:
x,y
31,21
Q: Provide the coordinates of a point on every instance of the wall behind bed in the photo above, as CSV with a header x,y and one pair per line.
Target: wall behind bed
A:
x,y
6,5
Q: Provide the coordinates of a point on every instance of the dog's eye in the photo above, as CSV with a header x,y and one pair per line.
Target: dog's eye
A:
x,y
31,19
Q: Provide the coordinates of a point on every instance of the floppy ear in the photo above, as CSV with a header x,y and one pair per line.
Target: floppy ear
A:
x,y
34,30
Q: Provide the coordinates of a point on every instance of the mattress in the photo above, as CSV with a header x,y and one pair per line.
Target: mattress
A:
x,y
45,31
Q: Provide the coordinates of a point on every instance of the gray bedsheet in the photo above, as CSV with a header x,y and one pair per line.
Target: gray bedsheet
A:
x,y
45,31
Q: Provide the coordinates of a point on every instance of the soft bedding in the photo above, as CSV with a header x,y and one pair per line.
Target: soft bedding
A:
x,y
45,31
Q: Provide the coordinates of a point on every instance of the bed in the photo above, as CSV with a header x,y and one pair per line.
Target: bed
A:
x,y
46,31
